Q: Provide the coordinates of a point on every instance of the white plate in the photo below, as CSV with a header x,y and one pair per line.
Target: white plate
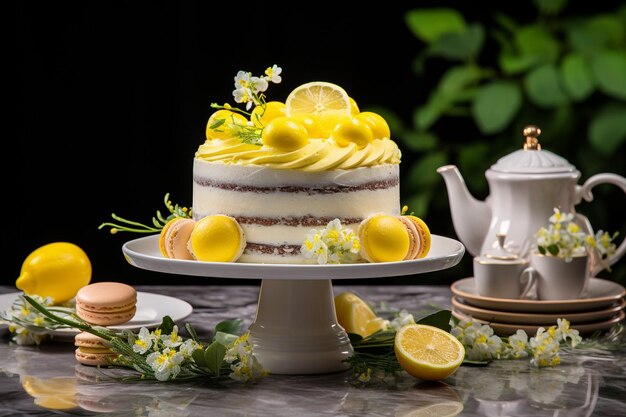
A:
x,y
600,293
507,329
151,308
144,253
547,319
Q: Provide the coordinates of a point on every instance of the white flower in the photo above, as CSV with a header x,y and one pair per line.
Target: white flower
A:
x,y
334,244
165,364
188,347
559,217
245,366
564,332
545,349
273,74
172,340
144,340
402,319
518,345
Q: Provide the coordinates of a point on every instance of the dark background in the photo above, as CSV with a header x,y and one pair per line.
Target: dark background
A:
x,y
111,101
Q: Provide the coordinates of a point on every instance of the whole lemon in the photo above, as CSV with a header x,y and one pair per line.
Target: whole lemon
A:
x,y
356,130
223,123
57,270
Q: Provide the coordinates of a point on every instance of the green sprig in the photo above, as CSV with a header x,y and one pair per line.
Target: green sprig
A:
x,y
158,221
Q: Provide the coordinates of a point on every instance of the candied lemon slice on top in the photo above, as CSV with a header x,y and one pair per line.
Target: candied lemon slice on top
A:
x,y
318,97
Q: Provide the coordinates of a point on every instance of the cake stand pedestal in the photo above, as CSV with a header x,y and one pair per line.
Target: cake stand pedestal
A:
x,y
295,330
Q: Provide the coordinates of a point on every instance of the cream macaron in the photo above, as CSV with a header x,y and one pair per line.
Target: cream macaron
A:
x,y
106,303
217,238
93,350
174,238
383,238
423,235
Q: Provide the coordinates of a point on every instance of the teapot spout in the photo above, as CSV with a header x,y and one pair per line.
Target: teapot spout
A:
x,y
470,217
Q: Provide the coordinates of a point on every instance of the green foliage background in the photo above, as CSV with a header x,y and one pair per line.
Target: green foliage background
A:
x,y
486,80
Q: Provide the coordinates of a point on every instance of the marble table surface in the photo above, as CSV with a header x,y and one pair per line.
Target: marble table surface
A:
x,y
584,384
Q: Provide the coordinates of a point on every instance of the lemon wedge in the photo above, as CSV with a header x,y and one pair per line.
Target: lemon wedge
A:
x,y
355,316
428,352
318,97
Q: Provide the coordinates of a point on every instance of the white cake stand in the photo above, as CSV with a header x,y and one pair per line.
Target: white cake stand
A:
x,y
295,330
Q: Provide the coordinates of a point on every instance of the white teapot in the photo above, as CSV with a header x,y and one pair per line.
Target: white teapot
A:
x,y
524,188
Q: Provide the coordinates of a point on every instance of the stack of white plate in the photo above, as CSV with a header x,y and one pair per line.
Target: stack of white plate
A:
x,y
599,308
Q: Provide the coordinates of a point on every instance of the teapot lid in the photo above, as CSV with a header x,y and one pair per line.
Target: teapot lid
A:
x,y
532,159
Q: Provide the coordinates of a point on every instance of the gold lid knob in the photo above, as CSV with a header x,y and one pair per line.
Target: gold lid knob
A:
x,y
531,133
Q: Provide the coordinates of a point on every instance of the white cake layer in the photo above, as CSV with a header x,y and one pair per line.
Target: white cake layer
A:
x,y
283,217
257,176
357,204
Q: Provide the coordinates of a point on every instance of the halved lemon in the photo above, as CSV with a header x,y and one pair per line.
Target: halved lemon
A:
x,y
428,352
355,316
318,97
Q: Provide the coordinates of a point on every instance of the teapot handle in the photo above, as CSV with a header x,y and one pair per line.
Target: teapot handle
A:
x,y
584,192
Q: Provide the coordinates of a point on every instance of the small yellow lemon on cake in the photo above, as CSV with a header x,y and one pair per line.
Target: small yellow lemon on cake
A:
x,y
262,115
57,270
355,316
285,134
222,123
217,238
428,352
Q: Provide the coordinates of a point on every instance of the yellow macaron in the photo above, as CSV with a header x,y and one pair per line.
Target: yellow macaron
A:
x,y
384,238
217,238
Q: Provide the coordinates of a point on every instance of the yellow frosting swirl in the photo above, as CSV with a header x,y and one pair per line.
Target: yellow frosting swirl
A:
x,y
318,155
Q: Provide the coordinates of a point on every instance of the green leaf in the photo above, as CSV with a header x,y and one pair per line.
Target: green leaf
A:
x,y
440,319
234,326
607,129
608,28
214,357
419,203
550,7
553,249
542,250
423,172
511,63
577,78
609,70
167,325
429,24
544,88
452,87
495,105
226,339
198,357
419,141
461,46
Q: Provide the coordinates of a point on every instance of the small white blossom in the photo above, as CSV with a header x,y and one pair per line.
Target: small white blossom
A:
x,y
273,74
245,366
545,349
518,345
172,340
402,319
165,364
334,244
144,340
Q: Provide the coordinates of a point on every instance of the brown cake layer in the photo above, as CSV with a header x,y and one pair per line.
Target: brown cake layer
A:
x,y
309,221
272,249
309,189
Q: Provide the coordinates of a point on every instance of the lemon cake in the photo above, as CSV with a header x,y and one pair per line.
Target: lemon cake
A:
x,y
283,168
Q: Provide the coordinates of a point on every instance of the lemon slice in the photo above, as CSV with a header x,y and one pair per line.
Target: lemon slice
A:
x,y
355,316
428,352
318,97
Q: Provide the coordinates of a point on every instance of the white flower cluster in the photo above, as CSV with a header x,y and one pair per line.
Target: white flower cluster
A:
x,y
564,238
243,363
481,344
247,87
169,351
334,244
402,319
26,324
